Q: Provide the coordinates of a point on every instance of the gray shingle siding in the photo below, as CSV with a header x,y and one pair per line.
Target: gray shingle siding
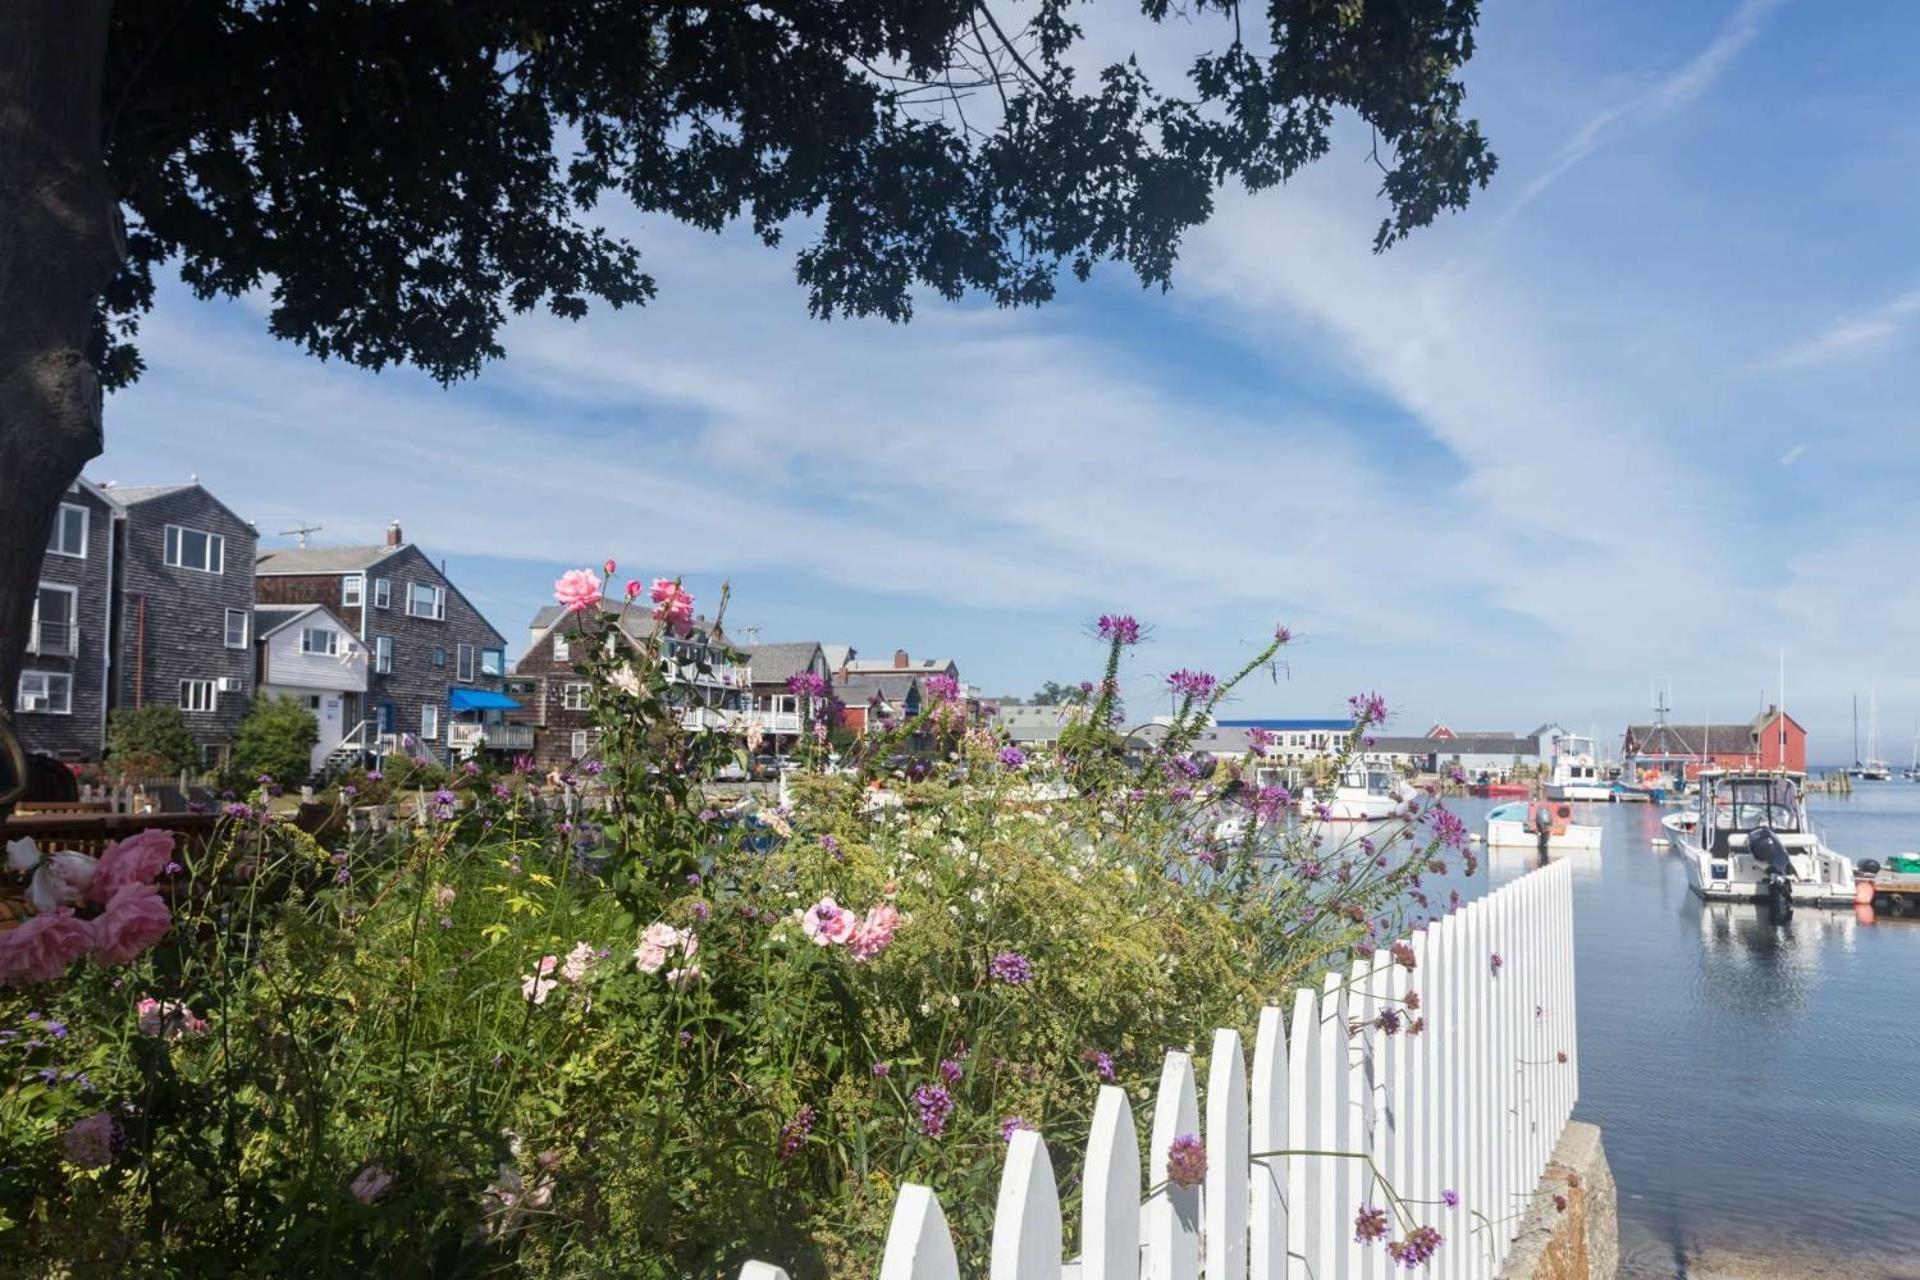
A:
x,y
79,734
172,624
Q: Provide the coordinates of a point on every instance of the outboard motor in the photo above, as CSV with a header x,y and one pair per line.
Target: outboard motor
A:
x,y
1765,848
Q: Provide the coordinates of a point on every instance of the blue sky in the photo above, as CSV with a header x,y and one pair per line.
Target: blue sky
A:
x,y
1642,413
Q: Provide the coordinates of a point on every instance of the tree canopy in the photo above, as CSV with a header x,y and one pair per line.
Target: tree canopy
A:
x,y
402,176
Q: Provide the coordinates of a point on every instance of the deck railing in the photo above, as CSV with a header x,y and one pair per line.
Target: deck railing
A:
x,y
1339,1111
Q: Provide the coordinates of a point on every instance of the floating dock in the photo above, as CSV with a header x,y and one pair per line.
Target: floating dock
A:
x,y
1890,893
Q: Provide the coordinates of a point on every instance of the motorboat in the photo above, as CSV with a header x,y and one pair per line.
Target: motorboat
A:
x,y
1364,793
1521,823
1750,839
1575,776
1487,787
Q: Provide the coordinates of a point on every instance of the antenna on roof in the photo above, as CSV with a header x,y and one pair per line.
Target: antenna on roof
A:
x,y
300,531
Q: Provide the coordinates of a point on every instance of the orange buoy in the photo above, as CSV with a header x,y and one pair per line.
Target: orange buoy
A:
x,y
1863,893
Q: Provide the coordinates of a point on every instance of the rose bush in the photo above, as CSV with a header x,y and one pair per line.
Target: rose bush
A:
x,y
652,1030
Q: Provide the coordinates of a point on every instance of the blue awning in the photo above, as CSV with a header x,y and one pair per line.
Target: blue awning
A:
x,y
479,700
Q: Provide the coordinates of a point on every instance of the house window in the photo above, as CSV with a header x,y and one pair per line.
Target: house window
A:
x,y
351,587
562,651
383,717
54,631
439,656
321,640
196,695
213,755
573,697
429,724
236,628
48,692
463,662
424,601
382,593
578,745
383,655
196,549
493,662
69,537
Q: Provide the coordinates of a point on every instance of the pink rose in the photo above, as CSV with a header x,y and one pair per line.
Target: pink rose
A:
x,y
671,604
136,860
40,948
633,587
609,566
876,931
578,590
135,919
91,1141
168,1018
648,958
661,934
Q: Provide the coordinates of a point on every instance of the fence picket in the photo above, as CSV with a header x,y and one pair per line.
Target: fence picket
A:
x,y
1362,1100
1302,1056
1110,1202
1267,1217
1026,1220
1172,1218
1224,1206
761,1271
919,1246
1333,1216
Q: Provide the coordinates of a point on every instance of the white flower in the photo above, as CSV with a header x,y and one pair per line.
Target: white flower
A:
x,y
23,854
626,680
579,960
681,979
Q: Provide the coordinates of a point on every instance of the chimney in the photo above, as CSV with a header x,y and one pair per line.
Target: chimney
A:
x,y
393,534
899,659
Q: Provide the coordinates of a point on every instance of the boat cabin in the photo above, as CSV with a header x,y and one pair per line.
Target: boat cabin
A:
x,y
1373,780
1734,804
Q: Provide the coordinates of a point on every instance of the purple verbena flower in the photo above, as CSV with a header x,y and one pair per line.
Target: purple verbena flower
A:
x,y
1187,1161
1012,757
935,1105
1369,1224
1010,967
793,1134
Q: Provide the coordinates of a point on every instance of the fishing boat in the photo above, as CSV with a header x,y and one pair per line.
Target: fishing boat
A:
x,y
1364,793
1487,787
1521,823
1750,840
1575,776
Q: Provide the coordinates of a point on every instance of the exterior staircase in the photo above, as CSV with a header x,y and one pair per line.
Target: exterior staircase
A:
x,y
347,753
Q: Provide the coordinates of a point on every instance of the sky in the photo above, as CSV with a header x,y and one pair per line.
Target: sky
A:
x,y
1641,415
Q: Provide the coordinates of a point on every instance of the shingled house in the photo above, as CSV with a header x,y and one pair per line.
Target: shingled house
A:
x,y
774,707
438,668
60,708
555,697
1770,740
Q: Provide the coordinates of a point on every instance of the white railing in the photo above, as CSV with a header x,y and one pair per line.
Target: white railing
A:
x,y
774,721
1472,1106
52,638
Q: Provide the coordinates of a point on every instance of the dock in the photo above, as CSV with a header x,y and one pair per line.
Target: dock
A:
x,y
1894,893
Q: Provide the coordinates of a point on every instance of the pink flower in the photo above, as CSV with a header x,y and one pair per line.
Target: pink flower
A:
x,y
40,948
609,566
876,931
648,958
579,960
170,1019
633,588
828,923
578,590
135,919
681,979
537,986
661,934
136,860
371,1181
671,605
91,1141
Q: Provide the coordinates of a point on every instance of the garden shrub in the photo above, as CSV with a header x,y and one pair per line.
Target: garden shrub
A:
x,y
654,1040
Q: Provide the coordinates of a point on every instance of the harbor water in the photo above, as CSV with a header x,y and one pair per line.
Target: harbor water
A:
x,y
1758,1085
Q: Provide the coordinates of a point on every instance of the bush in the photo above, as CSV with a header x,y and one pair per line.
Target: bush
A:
x,y
150,741
655,1041
276,739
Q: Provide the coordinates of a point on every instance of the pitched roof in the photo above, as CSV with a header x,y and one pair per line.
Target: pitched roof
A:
x,y
919,666
777,663
290,560
859,690
838,655
269,618
636,622
129,494
1693,739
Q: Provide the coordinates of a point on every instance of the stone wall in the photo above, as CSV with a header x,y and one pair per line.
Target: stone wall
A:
x,y
1571,1231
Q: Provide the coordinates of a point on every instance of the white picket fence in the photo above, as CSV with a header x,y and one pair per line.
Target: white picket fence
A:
x,y
1473,1106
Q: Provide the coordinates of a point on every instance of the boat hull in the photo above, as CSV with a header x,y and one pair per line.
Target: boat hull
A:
x,y
1514,835
1821,876
1583,791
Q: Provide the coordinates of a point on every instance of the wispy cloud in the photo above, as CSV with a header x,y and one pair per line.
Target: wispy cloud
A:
x,y
1792,455
1850,338
1666,96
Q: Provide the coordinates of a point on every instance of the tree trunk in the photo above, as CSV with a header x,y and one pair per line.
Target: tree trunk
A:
x,y
60,242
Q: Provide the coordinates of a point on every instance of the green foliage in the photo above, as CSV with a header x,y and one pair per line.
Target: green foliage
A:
x,y
1055,694
620,1030
276,738
150,740
462,149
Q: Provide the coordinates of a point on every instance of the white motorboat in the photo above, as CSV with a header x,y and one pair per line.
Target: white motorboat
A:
x,y
1364,793
1751,840
1575,776
1520,823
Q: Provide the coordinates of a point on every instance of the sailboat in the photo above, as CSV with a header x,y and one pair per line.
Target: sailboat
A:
x,y
1873,768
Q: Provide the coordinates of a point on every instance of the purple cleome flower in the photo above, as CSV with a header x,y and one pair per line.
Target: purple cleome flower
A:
x,y
1121,627
1197,685
1369,708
